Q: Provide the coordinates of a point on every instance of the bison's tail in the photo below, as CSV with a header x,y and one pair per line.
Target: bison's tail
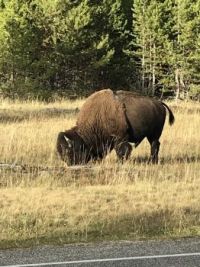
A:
x,y
171,115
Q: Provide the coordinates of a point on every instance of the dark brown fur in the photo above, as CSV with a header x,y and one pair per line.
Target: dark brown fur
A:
x,y
110,120
146,118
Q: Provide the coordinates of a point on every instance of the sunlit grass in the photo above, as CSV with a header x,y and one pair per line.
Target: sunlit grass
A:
x,y
48,202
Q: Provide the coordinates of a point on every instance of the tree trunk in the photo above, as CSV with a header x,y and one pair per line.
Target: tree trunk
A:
x,y
153,70
183,86
143,55
177,84
143,66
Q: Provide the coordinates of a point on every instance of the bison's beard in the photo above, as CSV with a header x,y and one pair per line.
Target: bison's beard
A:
x,y
73,156
78,158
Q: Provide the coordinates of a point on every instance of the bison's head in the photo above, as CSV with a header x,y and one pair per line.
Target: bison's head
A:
x,y
72,148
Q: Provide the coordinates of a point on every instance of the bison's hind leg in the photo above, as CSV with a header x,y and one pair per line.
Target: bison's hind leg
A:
x,y
155,145
123,151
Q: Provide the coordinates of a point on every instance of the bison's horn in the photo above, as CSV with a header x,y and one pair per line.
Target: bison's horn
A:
x,y
68,141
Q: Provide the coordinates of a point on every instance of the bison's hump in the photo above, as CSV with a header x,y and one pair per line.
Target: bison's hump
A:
x,y
102,114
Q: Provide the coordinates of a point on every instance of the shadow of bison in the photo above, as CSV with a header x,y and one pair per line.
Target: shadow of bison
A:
x,y
112,120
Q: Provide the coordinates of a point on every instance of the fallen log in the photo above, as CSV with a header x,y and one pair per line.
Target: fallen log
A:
x,y
28,168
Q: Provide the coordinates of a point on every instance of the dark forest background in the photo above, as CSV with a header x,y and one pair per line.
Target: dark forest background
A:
x,y
74,47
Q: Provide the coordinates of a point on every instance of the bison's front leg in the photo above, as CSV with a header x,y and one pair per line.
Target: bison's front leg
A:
x,y
123,151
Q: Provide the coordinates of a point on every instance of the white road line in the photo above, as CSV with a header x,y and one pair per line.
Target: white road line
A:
x,y
106,260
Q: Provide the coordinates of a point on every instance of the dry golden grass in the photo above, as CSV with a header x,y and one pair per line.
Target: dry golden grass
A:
x,y
47,202
26,105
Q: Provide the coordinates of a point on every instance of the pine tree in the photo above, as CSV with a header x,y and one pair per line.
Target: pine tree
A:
x,y
148,41
26,45
163,33
110,20
99,45
48,46
185,44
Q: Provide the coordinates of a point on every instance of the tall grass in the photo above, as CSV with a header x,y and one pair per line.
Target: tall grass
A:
x,y
47,202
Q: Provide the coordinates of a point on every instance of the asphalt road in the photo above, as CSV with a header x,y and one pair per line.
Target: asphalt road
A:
x,y
182,253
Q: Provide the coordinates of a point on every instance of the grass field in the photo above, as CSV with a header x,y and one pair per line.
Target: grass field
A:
x,y
42,201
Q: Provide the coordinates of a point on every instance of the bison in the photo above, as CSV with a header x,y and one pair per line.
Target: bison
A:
x,y
112,120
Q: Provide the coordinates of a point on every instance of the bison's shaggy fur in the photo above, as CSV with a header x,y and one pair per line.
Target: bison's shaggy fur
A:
x,y
110,120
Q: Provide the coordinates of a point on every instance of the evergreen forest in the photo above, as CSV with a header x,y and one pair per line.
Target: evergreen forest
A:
x,y
74,47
